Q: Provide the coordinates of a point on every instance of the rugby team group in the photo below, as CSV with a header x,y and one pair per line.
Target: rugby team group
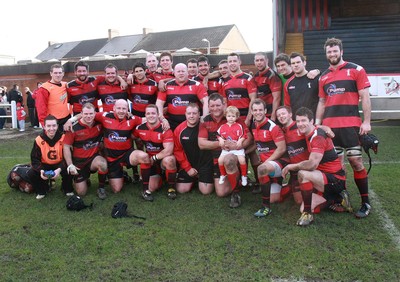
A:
x,y
187,126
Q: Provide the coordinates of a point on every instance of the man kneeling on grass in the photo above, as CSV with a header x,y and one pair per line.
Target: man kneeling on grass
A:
x,y
47,160
82,152
323,169
159,144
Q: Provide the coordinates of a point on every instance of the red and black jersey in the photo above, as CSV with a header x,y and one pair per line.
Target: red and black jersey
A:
x,y
232,132
213,84
153,138
85,141
301,92
110,93
236,90
117,133
266,135
296,144
319,142
340,89
157,76
186,146
209,130
141,95
80,93
267,81
177,97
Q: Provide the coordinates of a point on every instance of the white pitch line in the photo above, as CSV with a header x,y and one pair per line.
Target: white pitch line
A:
x,y
388,224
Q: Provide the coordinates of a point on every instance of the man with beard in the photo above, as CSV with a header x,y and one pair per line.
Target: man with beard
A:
x,y
341,87
83,89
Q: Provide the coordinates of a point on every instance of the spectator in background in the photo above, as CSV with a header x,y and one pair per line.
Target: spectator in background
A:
x,y
3,100
21,114
15,95
30,102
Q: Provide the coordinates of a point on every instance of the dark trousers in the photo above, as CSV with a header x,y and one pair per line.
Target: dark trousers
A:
x,y
41,186
33,117
2,120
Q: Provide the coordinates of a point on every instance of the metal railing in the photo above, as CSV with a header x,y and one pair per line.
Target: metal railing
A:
x,y
13,113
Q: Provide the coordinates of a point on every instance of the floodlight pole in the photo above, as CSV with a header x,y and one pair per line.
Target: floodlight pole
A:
x,y
209,45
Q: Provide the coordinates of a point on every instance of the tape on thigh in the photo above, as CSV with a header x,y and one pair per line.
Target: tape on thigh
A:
x,y
339,150
354,152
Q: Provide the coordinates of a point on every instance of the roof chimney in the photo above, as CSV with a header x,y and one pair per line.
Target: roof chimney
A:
x,y
147,30
112,33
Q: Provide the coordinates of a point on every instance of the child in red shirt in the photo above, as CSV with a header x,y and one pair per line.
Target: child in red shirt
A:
x,y
232,131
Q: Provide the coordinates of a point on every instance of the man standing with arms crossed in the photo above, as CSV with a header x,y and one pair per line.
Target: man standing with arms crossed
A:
x,y
341,87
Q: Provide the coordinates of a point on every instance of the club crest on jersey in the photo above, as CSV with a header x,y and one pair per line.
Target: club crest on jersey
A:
x,y
262,149
114,137
138,100
333,90
232,96
294,151
85,99
109,100
151,148
90,145
177,102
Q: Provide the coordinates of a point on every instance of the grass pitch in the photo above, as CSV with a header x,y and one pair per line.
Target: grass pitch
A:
x,y
196,237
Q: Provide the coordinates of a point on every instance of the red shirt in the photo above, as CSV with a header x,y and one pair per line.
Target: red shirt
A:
x,y
318,142
177,97
117,133
266,135
267,81
141,95
296,144
236,90
153,138
85,141
80,92
231,132
109,93
340,89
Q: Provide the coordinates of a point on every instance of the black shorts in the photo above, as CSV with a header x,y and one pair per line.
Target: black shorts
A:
x,y
205,175
346,137
334,186
115,168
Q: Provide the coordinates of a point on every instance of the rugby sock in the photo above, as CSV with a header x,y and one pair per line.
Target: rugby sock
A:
x,y
255,171
285,192
233,180
361,179
222,169
243,169
265,186
145,170
306,193
171,177
102,176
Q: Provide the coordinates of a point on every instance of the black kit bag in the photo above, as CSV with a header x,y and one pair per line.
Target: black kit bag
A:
x,y
76,203
18,178
120,210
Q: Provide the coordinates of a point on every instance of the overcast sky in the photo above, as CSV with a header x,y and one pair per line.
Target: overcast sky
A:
x,y
27,26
